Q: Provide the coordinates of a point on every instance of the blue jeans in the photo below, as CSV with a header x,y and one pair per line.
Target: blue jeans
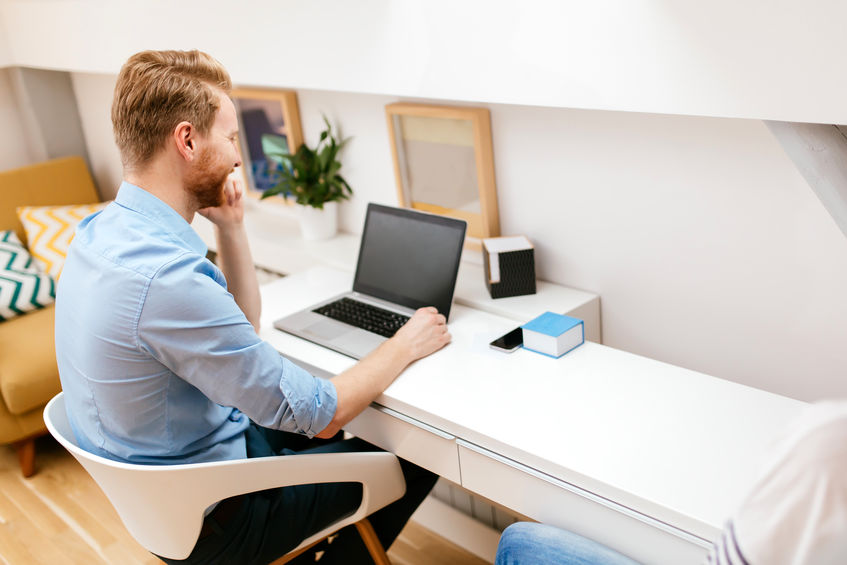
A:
x,y
526,543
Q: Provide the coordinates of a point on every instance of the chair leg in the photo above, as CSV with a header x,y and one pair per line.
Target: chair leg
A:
x,y
289,556
372,542
368,536
26,456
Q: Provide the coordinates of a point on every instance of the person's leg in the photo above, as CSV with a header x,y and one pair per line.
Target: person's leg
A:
x,y
263,442
526,543
271,523
388,521
312,507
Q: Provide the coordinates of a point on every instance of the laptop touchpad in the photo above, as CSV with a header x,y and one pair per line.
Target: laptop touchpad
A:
x,y
327,329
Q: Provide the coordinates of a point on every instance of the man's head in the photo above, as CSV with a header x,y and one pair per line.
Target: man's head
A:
x,y
161,95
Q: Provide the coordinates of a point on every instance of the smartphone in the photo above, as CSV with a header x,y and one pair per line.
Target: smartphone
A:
x,y
509,342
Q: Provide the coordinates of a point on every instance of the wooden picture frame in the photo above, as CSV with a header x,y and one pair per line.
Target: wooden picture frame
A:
x,y
444,163
267,120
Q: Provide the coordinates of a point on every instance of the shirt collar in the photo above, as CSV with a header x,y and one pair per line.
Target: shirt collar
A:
x,y
139,200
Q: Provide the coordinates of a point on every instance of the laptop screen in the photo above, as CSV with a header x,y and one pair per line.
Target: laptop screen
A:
x,y
409,258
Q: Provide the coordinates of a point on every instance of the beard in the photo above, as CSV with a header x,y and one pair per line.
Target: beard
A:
x,y
205,181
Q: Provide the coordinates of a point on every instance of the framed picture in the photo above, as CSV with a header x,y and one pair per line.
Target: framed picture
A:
x,y
444,163
269,122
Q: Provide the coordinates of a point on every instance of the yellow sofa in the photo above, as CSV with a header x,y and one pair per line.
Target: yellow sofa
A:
x,y
29,377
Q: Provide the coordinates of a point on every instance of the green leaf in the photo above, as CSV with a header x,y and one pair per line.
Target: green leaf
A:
x,y
310,174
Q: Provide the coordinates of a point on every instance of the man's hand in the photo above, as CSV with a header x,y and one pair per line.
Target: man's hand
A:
x,y
234,257
231,211
424,333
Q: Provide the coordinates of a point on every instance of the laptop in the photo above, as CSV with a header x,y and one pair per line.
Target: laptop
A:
x,y
407,260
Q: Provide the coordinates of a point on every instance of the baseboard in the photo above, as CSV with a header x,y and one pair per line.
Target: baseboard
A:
x,y
458,528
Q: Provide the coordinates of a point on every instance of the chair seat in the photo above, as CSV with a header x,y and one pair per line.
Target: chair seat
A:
x,y
29,376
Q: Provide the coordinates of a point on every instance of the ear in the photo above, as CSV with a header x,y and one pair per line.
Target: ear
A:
x,y
185,139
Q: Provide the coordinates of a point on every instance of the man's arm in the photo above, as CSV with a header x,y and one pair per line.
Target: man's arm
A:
x,y
236,263
424,333
234,258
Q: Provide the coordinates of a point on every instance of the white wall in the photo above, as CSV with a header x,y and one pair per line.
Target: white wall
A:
x,y
94,101
6,57
53,122
14,145
752,59
707,248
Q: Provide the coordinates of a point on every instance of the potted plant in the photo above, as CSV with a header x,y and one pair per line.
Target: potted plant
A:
x,y
310,176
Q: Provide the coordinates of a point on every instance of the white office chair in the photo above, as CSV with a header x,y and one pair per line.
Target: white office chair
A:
x,y
163,506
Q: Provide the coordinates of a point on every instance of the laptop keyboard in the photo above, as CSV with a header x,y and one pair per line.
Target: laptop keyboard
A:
x,y
376,320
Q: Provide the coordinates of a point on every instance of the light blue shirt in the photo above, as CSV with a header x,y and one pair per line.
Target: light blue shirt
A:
x,y
157,361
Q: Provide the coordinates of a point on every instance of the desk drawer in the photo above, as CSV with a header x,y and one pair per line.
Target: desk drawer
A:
x,y
555,502
420,443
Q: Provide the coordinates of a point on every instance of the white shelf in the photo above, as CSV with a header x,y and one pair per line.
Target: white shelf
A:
x,y
276,244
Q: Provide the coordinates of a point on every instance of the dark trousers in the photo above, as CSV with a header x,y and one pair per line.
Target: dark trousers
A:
x,y
271,523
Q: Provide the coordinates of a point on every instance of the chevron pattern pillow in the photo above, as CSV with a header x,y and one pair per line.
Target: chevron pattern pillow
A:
x,y
49,231
23,287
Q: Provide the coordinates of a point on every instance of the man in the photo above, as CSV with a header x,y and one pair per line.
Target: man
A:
x,y
157,348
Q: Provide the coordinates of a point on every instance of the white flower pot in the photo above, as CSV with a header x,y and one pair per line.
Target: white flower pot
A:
x,y
316,224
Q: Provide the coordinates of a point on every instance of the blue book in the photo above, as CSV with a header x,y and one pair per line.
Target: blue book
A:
x,y
553,334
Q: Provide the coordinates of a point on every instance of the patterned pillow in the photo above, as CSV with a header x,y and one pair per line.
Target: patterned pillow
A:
x,y
23,287
49,231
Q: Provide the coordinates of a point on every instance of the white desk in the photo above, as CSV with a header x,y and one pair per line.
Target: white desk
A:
x,y
643,456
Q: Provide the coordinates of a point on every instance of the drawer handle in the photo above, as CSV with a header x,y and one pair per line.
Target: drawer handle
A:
x,y
559,483
412,421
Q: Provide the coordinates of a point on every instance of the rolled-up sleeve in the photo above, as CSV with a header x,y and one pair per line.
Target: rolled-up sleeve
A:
x,y
193,326
313,401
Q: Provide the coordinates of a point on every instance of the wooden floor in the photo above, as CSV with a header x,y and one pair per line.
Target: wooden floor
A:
x,y
61,516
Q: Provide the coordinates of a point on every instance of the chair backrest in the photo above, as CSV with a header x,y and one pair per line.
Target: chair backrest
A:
x,y
163,506
154,504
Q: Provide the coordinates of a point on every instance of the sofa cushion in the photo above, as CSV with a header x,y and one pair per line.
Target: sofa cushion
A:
x,y
29,376
51,183
23,287
49,231
15,427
